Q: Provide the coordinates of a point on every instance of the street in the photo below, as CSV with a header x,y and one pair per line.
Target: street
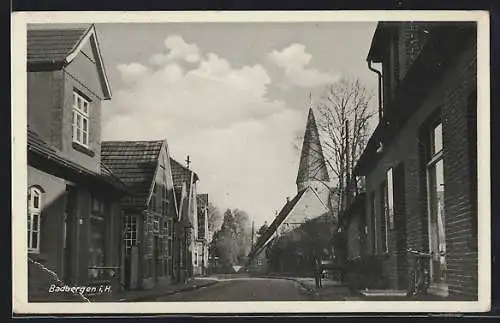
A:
x,y
244,289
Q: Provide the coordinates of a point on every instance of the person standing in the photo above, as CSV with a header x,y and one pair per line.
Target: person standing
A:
x,y
317,271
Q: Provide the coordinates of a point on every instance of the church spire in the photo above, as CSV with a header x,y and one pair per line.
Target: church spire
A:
x,y
312,167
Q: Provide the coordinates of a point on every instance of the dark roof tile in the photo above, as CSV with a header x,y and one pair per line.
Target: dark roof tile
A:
x,y
134,162
52,45
181,174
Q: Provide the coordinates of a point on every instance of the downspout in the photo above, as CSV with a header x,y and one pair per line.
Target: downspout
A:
x,y
379,74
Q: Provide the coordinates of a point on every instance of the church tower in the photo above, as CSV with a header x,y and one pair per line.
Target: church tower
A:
x,y
312,168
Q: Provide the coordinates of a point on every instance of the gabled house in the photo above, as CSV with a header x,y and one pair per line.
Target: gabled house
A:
x,y
149,212
186,227
73,198
203,236
420,162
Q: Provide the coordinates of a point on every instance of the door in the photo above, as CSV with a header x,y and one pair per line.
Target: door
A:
x,y
68,233
156,256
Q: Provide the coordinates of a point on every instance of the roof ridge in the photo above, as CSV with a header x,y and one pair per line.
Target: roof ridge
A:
x,y
85,31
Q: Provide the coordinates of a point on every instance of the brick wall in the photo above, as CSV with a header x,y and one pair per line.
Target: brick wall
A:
x,y
450,93
461,238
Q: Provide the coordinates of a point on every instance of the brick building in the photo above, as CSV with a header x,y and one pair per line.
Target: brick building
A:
x,y
420,162
149,211
73,209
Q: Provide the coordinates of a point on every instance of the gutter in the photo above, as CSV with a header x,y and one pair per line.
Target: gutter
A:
x,y
379,74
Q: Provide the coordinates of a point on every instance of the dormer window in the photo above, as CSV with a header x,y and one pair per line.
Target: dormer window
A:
x,y
80,126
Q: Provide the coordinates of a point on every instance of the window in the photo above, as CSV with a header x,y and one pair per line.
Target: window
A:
x,y
164,201
384,227
130,229
34,218
156,226
97,206
390,198
81,107
148,236
436,191
373,223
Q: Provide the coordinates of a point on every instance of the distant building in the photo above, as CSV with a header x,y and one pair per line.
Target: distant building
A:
x,y
73,215
186,228
149,212
420,162
203,234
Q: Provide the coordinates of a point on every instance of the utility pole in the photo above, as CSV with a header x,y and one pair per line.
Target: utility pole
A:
x,y
253,230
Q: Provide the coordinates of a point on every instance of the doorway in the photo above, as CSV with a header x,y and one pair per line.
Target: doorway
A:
x,y
69,228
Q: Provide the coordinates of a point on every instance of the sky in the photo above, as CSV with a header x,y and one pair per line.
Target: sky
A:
x,y
232,96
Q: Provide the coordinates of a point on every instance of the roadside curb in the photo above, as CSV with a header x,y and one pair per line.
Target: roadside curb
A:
x,y
167,293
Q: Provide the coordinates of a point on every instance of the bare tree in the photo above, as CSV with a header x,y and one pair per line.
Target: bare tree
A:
x,y
342,114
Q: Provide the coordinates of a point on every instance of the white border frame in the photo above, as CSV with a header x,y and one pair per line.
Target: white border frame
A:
x,y
19,170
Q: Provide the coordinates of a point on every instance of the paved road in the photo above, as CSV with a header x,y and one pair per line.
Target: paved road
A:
x,y
244,289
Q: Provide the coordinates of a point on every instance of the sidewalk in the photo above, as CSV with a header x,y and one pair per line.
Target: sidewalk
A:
x,y
151,294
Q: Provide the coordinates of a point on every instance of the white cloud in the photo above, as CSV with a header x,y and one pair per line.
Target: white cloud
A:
x,y
177,49
294,61
239,140
132,72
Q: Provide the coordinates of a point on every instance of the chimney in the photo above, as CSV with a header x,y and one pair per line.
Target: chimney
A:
x,y
287,199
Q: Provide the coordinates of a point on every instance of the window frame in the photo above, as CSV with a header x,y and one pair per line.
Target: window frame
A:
x,y
130,237
385,234
34,210
373,223
432,159
77,125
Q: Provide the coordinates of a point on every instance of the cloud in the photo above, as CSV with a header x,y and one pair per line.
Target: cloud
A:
x,y
294,61
238,139
177,49
132,72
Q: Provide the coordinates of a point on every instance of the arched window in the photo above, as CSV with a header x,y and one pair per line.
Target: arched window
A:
x,y
35,205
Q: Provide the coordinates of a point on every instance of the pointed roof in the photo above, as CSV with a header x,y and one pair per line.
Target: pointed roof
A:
x,y
54,49
181,174
134,163
313,166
